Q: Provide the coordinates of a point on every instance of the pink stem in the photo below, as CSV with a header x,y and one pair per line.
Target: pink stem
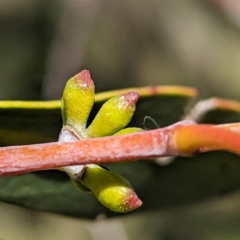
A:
x,y
181,138
22,159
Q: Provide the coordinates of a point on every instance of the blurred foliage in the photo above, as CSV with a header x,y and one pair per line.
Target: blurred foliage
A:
x,y
27,28
123,44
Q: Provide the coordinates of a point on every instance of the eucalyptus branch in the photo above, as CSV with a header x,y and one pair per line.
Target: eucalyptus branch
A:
x,y
181,139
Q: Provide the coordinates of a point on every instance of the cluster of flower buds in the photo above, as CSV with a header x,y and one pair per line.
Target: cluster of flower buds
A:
x,y
113,191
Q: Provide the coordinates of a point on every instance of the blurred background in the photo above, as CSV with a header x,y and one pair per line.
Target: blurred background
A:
x,y
123,44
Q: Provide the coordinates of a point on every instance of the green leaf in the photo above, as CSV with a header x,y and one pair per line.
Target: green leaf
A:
x,y
184,181
23,122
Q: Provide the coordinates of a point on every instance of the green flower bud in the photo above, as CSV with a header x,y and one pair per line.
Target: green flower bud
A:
x,y
113,116
77,101
112,190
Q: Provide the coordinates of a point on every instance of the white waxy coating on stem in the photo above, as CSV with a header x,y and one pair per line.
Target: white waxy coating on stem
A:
x,y
67,135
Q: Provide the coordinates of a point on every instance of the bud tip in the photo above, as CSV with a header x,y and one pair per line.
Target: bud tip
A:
x,y
84,79
131,97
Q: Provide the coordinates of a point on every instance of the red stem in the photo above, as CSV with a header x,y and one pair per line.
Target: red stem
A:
x,y
204,138
22,159
182,138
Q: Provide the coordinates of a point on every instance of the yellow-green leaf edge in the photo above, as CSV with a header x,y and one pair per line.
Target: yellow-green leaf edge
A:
x,y
15,131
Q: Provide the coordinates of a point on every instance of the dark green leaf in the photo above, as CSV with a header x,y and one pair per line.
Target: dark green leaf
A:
x,y
184,181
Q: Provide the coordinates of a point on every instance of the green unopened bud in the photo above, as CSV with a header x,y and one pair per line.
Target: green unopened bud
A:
x,y
77,101
114,115
112,190
128,131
